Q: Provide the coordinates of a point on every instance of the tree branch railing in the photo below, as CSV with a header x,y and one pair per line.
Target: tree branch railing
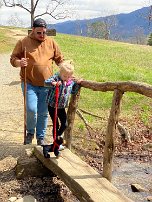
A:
x,y
119,89
130,86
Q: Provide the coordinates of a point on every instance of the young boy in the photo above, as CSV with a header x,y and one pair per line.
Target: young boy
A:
x,y
67,86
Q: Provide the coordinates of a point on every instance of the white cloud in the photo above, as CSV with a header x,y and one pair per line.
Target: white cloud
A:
x,y
95,8
80,9
116,5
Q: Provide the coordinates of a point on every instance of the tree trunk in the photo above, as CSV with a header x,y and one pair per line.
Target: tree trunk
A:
x,y
32,12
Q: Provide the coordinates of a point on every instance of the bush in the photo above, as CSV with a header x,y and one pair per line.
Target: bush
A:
x,y
150,40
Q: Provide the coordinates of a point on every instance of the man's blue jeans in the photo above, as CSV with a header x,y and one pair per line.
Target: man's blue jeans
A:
x,y
37,110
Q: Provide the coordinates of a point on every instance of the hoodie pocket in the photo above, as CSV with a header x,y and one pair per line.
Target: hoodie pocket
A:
x,y
40,72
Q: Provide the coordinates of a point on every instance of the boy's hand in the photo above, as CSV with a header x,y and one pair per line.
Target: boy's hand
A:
x,y
54,83
59,83
77,80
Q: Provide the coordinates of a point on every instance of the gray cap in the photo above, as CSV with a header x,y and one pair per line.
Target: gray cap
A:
x,y
39,23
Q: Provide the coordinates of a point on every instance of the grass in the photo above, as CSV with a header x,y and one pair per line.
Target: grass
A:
x,y
102,61
7,42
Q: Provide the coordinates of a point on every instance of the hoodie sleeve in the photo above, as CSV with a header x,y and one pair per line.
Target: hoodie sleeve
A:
x,y
58,57
17,53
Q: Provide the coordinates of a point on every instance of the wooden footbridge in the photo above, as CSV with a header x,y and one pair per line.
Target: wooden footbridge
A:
x,y
87,184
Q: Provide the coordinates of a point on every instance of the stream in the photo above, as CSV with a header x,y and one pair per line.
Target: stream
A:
x,y
127,172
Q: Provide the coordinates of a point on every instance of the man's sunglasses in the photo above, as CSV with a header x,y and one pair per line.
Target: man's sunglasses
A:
x,y
39,33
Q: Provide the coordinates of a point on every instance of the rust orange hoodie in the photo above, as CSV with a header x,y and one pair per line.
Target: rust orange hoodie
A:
x,y
41,54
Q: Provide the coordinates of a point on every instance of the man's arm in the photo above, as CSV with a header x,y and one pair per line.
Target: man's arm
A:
x,y
58,56
16,59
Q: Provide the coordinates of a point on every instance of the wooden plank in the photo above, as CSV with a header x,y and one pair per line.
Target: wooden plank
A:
x,y
49,32
86,183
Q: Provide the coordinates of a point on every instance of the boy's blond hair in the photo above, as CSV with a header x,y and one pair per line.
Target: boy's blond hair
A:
x,y
66,67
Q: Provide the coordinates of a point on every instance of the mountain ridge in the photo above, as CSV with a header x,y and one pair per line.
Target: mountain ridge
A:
x,y
127,24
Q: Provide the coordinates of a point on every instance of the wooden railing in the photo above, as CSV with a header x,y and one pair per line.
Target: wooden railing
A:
x,y
119,89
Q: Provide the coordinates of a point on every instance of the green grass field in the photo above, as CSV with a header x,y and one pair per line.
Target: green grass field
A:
x,y
102,61
7,42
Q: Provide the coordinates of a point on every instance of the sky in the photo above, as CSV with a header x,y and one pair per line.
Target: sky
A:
x,y
80,9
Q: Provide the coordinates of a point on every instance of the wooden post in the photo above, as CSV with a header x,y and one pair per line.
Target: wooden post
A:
x,y
110,134
70,118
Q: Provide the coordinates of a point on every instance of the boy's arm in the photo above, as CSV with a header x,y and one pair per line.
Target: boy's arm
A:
x,y
48,82
52,81
76,86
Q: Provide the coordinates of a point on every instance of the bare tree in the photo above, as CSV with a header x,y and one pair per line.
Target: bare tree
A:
x,y
1,3
96,30
101,28
109,22
55,8
148,14
78,28
14,20
140,38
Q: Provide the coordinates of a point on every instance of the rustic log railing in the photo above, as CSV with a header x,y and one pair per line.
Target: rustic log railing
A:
x,y
119,89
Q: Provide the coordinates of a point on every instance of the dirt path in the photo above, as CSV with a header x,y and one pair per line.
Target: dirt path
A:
x,y
11,102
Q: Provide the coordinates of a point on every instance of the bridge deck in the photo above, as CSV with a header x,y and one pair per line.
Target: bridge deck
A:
x,y
86,183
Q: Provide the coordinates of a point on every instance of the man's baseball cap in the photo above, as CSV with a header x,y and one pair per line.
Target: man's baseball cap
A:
x,y
39,23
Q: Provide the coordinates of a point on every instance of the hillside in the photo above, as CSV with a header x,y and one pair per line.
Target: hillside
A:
x,y
127,25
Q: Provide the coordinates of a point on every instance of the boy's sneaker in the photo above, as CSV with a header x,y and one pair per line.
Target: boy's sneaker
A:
x,y
40,142
29,138
59,155
61,147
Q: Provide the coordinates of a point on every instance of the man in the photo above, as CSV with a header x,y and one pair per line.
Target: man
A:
x,y
41,51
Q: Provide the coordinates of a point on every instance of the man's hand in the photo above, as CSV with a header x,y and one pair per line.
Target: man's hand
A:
x,y
24,62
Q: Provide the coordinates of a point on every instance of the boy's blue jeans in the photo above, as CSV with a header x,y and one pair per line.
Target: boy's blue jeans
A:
x,y
37,109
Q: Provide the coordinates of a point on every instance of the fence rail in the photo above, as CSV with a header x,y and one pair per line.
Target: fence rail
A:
x,y
119,89
130,86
